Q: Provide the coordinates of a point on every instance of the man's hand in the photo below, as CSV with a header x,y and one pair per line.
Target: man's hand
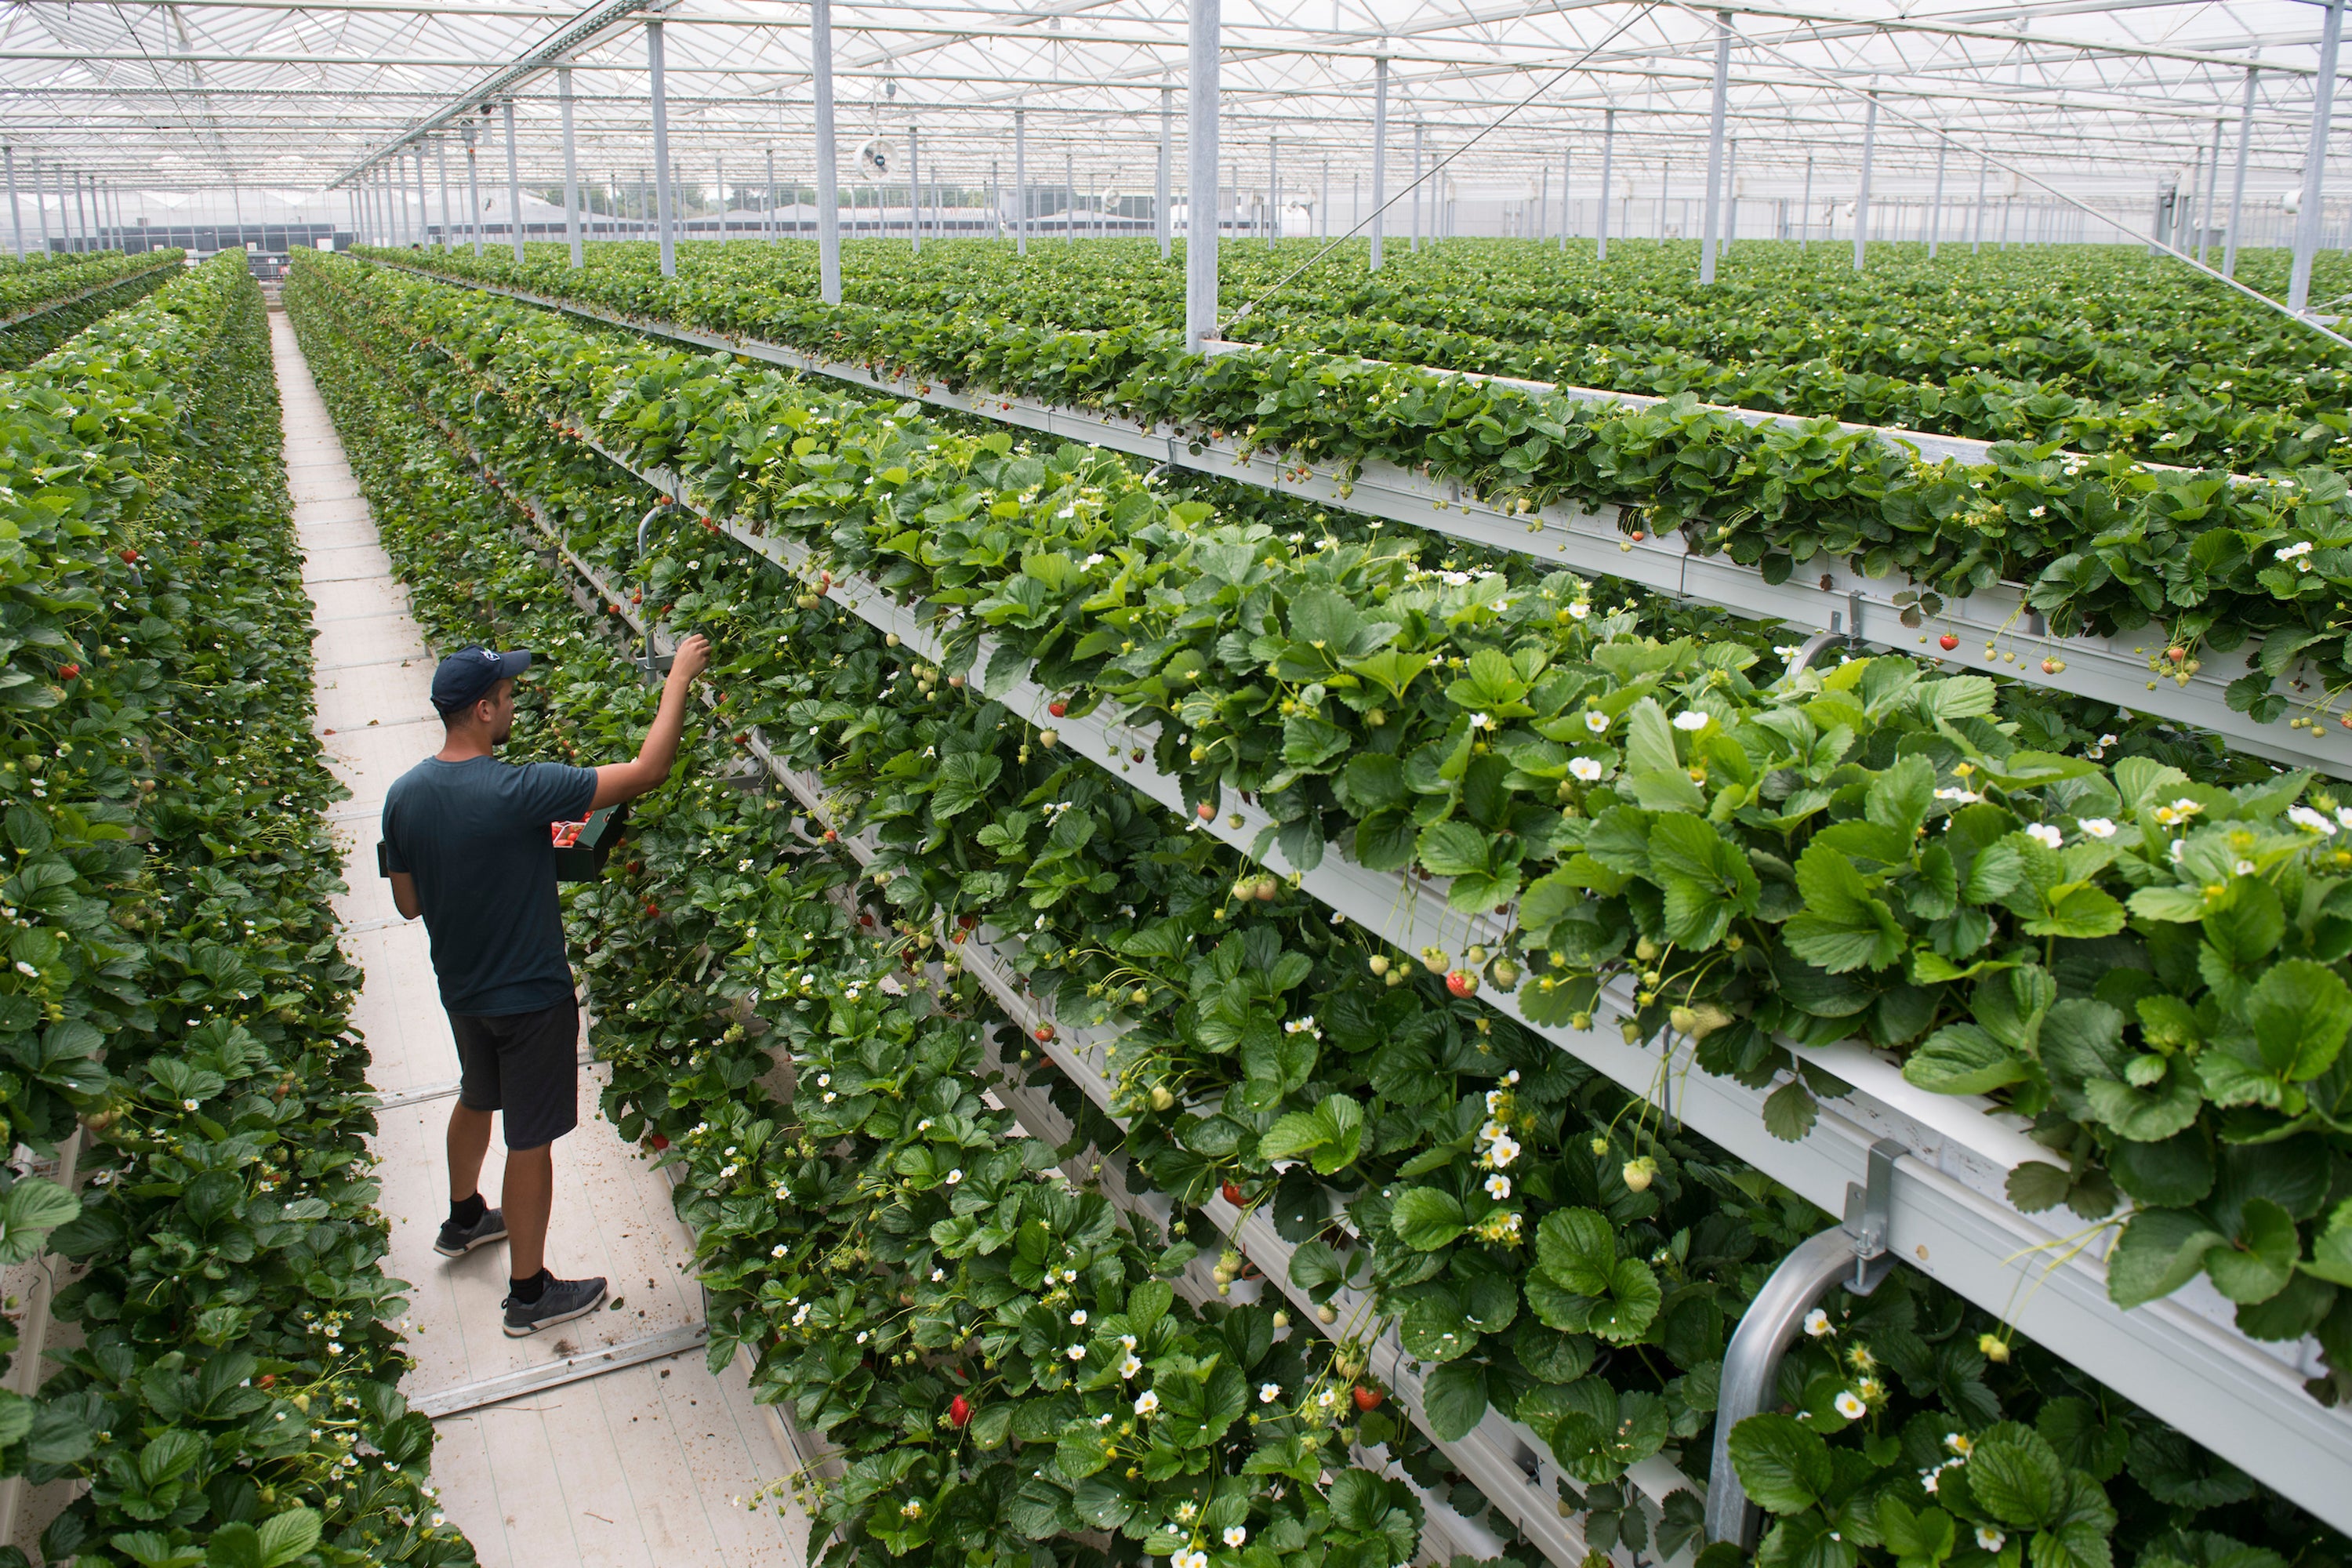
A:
x,y
692,659
617,782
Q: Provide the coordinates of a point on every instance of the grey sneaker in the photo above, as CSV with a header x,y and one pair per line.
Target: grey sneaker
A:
x,y
457,1240
560,1302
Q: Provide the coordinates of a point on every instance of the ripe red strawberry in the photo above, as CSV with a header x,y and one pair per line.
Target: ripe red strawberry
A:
x,y
69,671
1461,983
1948,642
867,921
831,836
1058,709
1231,1193
1044,1033
130,555
1207,811
959,1411
967,922
653,912
658,1143
1368,1399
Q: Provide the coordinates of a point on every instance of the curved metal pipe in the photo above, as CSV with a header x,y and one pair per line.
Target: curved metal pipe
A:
x,y
653,663
1852,1254
1752,1364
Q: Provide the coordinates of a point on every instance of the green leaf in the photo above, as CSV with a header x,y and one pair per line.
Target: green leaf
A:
x,y
1452,848
1454,1399
1579,1250
2159,1251
32,1207
964,781
1899,797
1961,1058
2016,1476
1918,1540
2299,1011
1783,1464
2331,1250
1434,1329
2258,1264
1425,1218
286,1536
1842,927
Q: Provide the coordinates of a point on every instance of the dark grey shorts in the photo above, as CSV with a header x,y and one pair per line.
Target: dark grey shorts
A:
x,y
525,1064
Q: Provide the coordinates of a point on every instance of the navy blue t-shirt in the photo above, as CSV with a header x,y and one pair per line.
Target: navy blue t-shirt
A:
x,y
474,835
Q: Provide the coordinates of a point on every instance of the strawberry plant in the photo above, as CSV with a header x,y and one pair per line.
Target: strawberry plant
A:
x,y
1545,1242
175,982
2102,542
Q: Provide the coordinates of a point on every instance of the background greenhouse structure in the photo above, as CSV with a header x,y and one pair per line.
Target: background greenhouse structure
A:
x,y
1554,783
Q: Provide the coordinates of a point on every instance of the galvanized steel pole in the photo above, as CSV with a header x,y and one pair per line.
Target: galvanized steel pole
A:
x,y
2315,164
1566,219
1715,145
514,184
1935,209
2238,186
1417,129
1730,192
424,208
1273,190
1020,182
914,186
1380,152
571,169
2212,184
769,221
473,193
1861,192
653,64
441,160
1163,221
1608,149
15,214
828,191
1200,94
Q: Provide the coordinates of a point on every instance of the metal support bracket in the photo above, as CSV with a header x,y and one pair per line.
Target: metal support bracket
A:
x,y
1867,1209
1852,1256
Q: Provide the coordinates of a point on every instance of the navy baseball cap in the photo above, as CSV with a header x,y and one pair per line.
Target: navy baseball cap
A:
x,y
472,673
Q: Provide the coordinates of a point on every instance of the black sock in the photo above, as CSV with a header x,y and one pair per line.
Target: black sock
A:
x,y
528,1292
468,1211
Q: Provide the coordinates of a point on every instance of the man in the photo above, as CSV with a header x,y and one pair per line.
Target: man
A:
x,y
468,847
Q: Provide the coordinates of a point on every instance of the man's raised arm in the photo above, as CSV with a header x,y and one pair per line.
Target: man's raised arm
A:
x,y
617,782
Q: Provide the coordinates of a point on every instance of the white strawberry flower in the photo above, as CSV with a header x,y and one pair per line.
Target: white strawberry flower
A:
x,y
1584,769
1817,1322
1145,1403
2041,833
1596,721
2096,826
1236,1535
1499,1187
1989,1538
2310,821
1692,721
1850,1405
1267,1393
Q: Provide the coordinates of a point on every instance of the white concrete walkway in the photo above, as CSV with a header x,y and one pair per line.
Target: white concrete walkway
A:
x,y
640,1465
